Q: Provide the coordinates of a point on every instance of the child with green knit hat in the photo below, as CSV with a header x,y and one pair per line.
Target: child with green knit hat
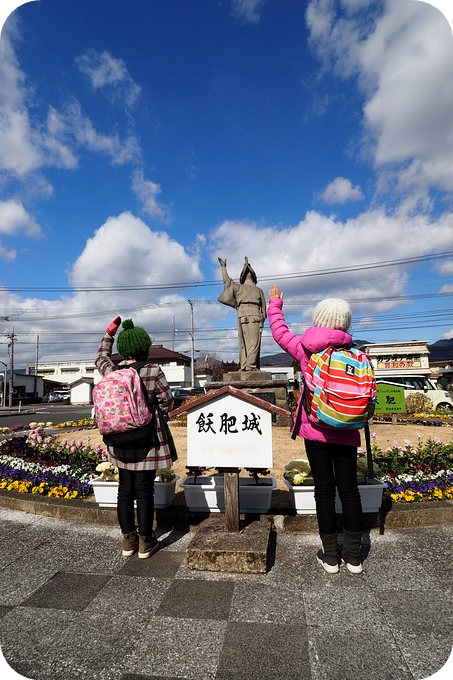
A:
x,y
138,463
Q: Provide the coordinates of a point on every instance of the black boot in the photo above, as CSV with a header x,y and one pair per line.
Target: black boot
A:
x,y
328,557
351,551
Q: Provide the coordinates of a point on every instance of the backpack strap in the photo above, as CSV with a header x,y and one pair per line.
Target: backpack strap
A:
x,y
298,414
369,455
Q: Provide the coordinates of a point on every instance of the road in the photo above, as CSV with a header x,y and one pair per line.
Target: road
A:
x,y
55,413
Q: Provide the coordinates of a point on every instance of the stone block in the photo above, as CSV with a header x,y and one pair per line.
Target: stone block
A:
x,y
245,552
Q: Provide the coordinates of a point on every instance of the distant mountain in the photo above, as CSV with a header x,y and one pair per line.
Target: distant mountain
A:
x,y
283,359
280,359
442,350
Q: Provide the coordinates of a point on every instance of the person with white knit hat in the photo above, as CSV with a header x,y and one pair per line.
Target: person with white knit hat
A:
x,y
331,452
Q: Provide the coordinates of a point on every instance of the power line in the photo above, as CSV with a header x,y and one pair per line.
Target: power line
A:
x,y
217,282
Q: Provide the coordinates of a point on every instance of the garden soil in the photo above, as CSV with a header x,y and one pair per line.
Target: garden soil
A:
x,y
286,449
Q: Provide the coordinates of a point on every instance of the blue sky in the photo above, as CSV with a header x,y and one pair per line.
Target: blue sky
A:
x,y
140,141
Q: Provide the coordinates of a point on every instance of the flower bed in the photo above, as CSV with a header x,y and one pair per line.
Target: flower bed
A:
x,y
423,472
414,473
426,419
40,464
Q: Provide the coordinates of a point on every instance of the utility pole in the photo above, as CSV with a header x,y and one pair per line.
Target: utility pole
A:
x,y
173,333
36,368
11,337
192,346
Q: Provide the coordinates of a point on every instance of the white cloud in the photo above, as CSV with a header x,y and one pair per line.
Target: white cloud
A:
x,y
28,145
125,251
341,191
14,219
402,56
19,153
147,192
105,71
319,243
445,267
76,125
248,9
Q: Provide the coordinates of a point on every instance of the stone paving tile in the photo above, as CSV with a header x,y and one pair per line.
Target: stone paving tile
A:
x,y
94,646
179,648
267,603
399,572
136,676
27,633
330,607
187,600
422,623
355,654
25,575
174,540
126,593
68,591
163,564
253,651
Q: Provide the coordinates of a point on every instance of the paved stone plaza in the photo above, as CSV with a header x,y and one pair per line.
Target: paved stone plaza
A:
x,y
72,608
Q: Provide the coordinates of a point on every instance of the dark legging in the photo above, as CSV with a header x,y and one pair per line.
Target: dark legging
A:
x,y
334,465
139,486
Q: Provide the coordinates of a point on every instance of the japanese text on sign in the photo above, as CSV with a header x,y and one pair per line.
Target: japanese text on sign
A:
x,y
228,424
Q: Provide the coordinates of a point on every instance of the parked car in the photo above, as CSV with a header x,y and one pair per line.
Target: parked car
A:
x,y
184,393
56,396
51,397
420,384
64,394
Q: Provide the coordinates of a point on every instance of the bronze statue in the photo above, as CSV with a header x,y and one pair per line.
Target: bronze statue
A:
x,y
250,303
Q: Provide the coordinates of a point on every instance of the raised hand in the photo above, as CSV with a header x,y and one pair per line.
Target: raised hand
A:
x,y
275,293
111,330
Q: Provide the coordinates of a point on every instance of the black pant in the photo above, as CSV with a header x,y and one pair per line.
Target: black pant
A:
x,y
136,486
334,465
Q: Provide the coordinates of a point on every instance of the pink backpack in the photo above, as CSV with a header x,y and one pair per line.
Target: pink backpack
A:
x,y
121,409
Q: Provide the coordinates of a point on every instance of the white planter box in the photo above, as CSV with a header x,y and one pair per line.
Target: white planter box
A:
x,y
209,495
303,497
106,493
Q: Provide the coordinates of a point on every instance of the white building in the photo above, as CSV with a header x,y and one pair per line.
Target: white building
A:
x,y
399,358
280,373
80,374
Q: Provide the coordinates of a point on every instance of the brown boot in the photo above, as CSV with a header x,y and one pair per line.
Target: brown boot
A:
x,y
130,544
147,546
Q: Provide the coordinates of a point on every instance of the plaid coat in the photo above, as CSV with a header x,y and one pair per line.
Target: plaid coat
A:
x,y
156,457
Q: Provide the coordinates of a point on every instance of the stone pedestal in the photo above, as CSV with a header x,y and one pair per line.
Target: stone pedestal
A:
x,y
261,385
246,552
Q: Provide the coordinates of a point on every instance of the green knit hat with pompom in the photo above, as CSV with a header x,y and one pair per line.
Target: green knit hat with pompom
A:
x,y
133,340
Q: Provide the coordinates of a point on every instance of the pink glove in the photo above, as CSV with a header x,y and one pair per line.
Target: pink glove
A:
x,y
111,330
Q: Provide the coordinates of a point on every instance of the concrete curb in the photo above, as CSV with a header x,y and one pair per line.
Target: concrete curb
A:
x,y
396,516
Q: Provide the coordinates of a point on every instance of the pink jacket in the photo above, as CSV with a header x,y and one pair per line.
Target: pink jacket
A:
x,y
313,340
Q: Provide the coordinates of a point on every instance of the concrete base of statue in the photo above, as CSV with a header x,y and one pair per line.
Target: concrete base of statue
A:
x,y
260,384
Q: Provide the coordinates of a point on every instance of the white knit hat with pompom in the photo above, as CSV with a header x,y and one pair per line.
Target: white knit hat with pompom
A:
x,y
332,313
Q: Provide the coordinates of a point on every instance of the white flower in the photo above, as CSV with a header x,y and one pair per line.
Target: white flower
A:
x,y
103,467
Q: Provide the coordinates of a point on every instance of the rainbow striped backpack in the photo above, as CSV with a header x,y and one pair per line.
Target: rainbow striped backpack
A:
x,y
340,389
